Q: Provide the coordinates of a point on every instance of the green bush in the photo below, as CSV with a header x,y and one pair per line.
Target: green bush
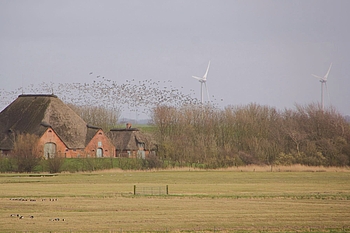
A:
x,y
6,164
72,165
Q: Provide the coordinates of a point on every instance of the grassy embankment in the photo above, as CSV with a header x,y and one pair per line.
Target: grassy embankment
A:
x,y
225,200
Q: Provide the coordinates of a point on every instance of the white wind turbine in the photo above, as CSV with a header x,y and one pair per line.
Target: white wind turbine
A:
x,y
203,80
323,83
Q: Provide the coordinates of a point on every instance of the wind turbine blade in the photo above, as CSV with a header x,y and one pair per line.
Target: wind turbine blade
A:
x,y
200,79
326,76
317,77
206,73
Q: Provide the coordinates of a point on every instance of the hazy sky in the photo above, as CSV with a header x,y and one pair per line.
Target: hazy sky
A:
x,y
261,51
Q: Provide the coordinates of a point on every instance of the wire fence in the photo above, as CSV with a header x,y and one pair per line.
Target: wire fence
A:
x,y
151,190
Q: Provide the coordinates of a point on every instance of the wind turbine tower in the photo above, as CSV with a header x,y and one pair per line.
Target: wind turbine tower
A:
x,y
203,81
323,81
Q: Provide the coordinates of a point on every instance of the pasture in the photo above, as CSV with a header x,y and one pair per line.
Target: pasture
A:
x,y
233,200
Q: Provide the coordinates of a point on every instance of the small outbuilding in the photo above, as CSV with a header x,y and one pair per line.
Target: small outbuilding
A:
x,y
132,143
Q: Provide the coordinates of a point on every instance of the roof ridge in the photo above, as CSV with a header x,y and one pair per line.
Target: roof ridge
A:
x,y
38,95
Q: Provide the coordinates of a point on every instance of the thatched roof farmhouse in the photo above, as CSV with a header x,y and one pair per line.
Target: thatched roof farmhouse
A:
x,y
131,142
60,129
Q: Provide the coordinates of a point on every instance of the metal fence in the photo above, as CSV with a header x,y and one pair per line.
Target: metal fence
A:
x,y
151,190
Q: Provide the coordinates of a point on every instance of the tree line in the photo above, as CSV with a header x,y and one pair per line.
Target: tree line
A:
x,y
209,137
251,134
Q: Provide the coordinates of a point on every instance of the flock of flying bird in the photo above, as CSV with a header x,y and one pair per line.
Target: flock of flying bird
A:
x,y
140,97
135,96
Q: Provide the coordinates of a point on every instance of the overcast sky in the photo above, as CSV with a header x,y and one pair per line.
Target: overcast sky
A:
x,y
261,51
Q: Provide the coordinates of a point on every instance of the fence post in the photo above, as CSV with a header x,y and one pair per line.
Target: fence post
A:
x,y
134,189
167,190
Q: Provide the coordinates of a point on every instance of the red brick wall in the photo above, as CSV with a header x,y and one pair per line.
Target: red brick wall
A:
x,y
63,151
100,140
133,153
51,136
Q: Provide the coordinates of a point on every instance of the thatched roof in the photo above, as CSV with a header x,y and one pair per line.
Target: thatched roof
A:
x,y
128,139
91,132
33,114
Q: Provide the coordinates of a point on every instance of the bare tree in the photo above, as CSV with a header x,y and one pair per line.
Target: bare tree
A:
x,y
55,163
26,152
100,116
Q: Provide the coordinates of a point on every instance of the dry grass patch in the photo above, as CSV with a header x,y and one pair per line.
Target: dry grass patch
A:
x,y
199,201
174,214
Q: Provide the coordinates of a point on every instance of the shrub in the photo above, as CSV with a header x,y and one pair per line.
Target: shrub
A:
x,y
26,153
6,164
153,161
55,164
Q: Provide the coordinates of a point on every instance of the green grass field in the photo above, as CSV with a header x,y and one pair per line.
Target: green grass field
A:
x,y
198,201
